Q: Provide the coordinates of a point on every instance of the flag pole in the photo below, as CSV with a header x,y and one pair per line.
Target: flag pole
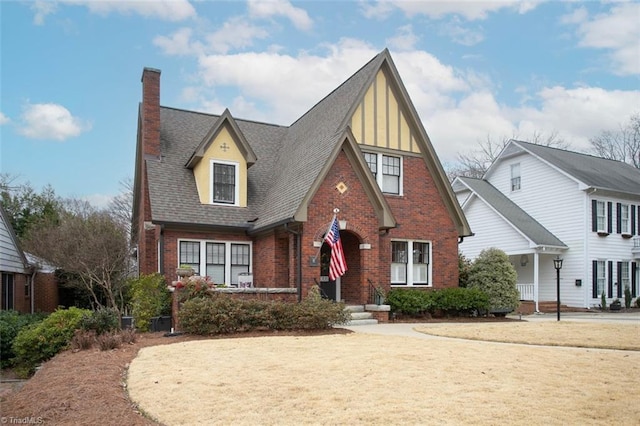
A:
x,y
335,215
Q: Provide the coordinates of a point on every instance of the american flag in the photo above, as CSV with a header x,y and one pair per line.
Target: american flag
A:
x,y
337,265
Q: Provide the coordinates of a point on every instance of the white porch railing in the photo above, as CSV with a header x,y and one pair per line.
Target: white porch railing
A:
x,y
526,291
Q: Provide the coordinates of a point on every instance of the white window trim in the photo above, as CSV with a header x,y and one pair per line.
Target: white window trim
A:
x,y
626,266
602,276
379,174
409,265
625,230
237,180
514,177
227,255
604,221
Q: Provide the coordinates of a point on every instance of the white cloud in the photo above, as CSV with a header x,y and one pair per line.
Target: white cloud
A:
x,y
50,121
268,8
4,119
469,10
235,33
617,32
459,33
99,201
404,39
168,10
179,43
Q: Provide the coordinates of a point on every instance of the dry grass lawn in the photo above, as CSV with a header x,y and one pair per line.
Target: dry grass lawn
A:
x,y
370,379
563,333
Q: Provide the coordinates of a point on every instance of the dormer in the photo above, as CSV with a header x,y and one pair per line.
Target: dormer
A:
x,y
220,164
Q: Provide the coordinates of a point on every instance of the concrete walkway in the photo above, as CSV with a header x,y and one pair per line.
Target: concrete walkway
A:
x,y
407,329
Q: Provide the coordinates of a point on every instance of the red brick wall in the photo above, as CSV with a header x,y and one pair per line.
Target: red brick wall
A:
x,y
46,293
21,303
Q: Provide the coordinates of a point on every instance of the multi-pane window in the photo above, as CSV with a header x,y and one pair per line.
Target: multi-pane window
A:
x,y
601,216
601,277
625,223
190,255
223,184
239,261
410,263
515,177
624,277
221,261
215,262
390,180
372,162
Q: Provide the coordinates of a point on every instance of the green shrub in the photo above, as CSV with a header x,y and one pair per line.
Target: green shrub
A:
x,y
494,274
460,301
464,269
603,301
627,297
638,302
410,301
220,313
41,341
149,298
11,322
195,286
102,320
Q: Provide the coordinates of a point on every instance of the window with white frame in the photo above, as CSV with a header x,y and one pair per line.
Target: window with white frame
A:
x,y
224,179
625,222
515,177
390,180
222,261
601,216
414,269
601,277
624,277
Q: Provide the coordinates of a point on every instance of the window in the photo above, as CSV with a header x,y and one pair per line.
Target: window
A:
x,y
515,177
222,261
624,277
224,176
410,270
601,277
601,217
624,222
190,255
390,180
7,292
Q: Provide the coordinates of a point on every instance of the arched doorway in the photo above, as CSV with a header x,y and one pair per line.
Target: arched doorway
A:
x,y
346,288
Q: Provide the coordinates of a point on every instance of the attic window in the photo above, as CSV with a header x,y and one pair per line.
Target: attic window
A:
x,y
224,179
515,177
390,180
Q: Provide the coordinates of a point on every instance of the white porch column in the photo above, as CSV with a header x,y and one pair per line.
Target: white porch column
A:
x,y
536,275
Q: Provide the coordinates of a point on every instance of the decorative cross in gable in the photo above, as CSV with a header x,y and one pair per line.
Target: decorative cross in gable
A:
x,y
224,147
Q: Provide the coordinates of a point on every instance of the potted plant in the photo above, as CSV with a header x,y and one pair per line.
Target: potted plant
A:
x,y
616,305
184,271
379,296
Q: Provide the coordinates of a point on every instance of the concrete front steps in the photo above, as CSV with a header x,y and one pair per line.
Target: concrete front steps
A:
x,y
368,314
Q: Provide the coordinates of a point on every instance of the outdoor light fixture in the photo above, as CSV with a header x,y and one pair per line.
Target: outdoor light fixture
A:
x,y
557,263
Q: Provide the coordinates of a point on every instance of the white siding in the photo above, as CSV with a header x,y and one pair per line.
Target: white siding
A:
x,y
490,230
10,256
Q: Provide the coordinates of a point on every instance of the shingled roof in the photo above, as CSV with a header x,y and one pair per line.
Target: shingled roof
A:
x,y
520,220
289,161
592,172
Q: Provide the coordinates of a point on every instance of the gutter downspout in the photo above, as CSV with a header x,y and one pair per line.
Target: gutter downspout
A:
x,y
161,251
299,259
32,293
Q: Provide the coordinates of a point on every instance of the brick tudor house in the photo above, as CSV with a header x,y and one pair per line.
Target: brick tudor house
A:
x,y
231,197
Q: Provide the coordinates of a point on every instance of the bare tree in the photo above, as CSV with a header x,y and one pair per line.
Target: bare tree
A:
x,y
475,163
121,206
90,246
622,145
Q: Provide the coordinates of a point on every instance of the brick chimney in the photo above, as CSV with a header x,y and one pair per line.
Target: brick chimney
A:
x,y
151,113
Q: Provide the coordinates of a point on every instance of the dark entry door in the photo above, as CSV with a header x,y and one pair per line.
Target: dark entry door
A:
x,y
327,287
7,291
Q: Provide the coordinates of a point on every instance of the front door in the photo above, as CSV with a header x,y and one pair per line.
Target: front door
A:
x,y
328,289
7,291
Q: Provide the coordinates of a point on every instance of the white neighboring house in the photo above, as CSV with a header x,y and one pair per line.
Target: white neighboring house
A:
x,y
537,203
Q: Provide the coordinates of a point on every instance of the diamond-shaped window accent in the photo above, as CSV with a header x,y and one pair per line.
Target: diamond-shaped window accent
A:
x,y
342,187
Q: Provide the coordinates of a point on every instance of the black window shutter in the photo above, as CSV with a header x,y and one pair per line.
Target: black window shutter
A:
x,y
594,215
618,216
633,219
610,279
609,217
594,279
638,217
619,274
634,281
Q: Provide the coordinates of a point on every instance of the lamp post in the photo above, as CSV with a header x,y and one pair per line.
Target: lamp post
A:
x,y
557,263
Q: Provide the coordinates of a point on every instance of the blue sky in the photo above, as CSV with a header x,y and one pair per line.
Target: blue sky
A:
x,y
70,72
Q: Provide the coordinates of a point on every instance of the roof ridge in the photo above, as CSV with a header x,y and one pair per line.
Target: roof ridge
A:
x,y
245,120
568,151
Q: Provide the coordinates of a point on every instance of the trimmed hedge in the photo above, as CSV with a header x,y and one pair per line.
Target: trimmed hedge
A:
x,y
11,322
450,301
218,313
41,341
149,298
